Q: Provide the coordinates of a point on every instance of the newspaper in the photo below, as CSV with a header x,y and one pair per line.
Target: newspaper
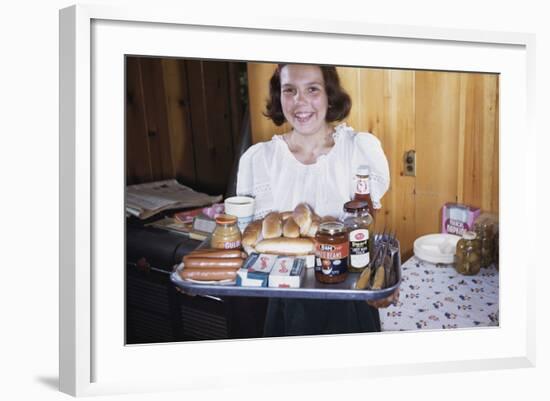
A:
x,y
146,200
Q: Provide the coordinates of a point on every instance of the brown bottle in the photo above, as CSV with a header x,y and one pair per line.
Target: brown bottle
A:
x,y
358,223
362,186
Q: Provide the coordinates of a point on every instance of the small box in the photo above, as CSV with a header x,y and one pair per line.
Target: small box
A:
x,y
310,260
247,279
255,270
288,272
458,218
204,224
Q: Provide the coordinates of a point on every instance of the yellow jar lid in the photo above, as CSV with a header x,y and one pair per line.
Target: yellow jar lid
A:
x,y
226,219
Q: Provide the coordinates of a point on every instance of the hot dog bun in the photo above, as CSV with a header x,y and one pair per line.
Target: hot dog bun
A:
x,y
286,246
315,221
290,228
286,215
272,226
302,216
251,234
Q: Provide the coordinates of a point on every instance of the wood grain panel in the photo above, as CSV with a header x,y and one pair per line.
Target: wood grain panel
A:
x,y
156,122
399,137
138,161
437,102
495,188
369,104
177,108
479,182
236,107
210,124
262,128
350,80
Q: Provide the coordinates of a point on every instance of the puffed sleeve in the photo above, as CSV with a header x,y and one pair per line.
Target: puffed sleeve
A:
x,y
253,177
245,179
368,150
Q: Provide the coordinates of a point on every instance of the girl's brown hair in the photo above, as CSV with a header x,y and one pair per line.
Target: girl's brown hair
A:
x,y
339,102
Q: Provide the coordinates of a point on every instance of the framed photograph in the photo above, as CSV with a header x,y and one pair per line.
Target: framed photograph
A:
x,y
95,357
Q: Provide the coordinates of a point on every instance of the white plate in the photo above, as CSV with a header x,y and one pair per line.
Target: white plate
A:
x,y
436,248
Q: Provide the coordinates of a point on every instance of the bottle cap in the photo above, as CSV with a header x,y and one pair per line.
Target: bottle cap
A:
x,y
356,205
332,227
363,169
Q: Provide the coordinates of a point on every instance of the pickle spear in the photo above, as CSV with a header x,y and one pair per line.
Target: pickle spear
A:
x,y
379,275
364,278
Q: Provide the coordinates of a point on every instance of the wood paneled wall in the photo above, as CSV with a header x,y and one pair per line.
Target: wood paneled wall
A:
x,y
449,119
183,121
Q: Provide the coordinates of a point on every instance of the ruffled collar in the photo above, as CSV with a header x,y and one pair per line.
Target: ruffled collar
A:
x,y
339,131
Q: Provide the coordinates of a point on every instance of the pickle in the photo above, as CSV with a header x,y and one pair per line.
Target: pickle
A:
x,y
378,281
466,267
364,278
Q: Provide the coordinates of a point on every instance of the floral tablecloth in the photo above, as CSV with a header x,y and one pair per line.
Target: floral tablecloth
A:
x,y
437,297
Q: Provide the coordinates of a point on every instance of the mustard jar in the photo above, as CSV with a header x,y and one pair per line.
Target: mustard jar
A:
x,y
468,254
226,235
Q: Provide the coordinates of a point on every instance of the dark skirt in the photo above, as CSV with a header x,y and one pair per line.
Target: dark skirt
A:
x,y
295,317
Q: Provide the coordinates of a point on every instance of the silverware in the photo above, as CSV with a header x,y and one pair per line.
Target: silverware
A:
x,y
386,257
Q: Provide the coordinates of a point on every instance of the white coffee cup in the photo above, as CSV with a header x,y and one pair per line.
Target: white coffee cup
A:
x,y
242,207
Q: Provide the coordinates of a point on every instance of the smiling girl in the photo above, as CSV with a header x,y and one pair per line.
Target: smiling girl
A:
x,y
314,163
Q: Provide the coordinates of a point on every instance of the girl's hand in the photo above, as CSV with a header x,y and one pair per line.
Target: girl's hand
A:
x,y
385,302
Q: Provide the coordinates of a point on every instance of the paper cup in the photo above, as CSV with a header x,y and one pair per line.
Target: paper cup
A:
x,y
242,207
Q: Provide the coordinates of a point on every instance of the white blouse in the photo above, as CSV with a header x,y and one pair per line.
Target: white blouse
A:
x,y
269,172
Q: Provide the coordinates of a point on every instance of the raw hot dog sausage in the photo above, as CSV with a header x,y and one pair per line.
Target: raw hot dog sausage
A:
x,y
211,263
216,253
213,274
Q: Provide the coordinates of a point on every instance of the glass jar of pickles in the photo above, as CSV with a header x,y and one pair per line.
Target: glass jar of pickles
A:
x,y
468,254
226,235
484,228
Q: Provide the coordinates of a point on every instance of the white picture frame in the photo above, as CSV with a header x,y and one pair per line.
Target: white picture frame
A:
x,y
93,358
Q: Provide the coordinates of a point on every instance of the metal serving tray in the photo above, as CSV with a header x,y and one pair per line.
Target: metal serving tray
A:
x,y
311,288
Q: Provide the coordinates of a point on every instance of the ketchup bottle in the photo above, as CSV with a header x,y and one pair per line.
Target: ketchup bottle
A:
x,y
362,190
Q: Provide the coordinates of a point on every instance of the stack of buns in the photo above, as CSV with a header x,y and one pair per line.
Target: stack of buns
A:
x,y
286,233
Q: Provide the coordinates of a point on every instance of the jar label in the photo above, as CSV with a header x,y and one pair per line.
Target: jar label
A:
x,y
232,244
362,186
359,248
332,259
